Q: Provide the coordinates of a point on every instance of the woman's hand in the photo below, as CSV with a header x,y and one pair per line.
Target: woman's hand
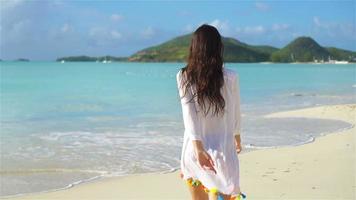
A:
x,y
238,143
238,147
205,161
203,157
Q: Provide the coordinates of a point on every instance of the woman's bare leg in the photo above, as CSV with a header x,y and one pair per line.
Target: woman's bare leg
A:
x,y
214,196
197,192
227,197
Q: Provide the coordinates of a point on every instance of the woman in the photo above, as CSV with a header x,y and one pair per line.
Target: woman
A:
x,y
211,113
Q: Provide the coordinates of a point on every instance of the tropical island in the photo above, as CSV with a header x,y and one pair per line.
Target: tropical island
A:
x,y
301,49
18,60
84,58
22,60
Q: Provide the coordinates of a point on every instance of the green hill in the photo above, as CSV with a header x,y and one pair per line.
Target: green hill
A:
x,y
173,50
305,49
341,54
84,58
177,50
302,49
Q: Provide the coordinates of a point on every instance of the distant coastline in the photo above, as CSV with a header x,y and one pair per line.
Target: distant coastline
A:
x,y
84,58
300,50
95,60
17,60
74,59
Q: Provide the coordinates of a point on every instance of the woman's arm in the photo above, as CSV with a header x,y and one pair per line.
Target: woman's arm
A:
x,y
190,118
238,143
237,130
192,127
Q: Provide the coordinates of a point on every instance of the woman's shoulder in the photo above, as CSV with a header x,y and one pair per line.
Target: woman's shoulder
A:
x,y
179,75
230,73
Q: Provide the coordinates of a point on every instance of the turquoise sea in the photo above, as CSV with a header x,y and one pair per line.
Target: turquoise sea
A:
x,y
66,123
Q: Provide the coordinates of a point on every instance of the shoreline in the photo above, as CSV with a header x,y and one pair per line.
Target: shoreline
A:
x,y
318,112
101,177
113,62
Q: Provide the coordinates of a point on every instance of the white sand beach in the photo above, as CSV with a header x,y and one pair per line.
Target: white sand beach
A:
x,y
323,169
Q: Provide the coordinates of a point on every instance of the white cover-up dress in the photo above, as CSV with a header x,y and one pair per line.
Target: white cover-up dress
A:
x,y
217,135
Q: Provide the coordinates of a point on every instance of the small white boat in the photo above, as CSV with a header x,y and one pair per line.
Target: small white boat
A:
x,y
332,61
341,62
62,61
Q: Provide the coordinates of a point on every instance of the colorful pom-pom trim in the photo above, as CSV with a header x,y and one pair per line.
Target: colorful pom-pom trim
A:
x,y
192,182
195,183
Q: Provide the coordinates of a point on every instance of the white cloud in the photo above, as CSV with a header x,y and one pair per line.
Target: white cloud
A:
x,y
66,28
21,26
262,6
217,23
188,28
191,28
260,29
48,34
256,29
148,33
96,31
280,27
115,34
103,36
334,29
296,34
10,4
317,22
222,26
116,17
251,29
277,34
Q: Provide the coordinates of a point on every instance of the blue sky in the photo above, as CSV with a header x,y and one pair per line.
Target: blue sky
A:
x,y
45,30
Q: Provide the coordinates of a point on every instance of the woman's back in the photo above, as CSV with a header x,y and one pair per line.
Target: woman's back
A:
x,y
229,122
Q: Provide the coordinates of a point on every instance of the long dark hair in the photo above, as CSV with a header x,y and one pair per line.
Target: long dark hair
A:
x,y
204,69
